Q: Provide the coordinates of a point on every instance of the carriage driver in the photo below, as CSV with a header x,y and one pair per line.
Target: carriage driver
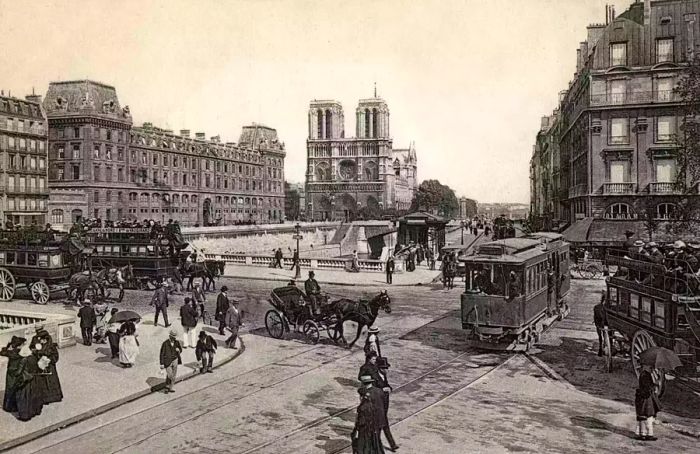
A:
x,y
313,291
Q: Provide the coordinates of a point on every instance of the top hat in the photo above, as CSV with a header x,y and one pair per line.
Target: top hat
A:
x,y
224,288
373,330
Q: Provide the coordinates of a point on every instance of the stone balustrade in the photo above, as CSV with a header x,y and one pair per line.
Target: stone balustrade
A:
x,y
305,262
24,323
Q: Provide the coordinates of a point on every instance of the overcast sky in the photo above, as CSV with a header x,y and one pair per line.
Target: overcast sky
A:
x,y
466,80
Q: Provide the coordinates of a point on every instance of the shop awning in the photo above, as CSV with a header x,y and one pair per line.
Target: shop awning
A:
x,y
578,232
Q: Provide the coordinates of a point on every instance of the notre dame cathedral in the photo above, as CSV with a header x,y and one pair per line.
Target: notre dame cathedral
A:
x,y
346,174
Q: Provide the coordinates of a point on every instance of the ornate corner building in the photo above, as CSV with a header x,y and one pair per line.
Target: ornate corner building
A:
x,y
146,172
346,174
24,190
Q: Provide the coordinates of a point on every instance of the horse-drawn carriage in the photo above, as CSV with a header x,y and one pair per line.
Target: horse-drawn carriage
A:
x,y
292,310
646,306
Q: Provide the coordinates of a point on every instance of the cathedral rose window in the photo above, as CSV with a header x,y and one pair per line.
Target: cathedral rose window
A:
x,y
347,170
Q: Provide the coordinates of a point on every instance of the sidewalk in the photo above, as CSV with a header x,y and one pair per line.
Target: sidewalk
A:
x,y
93,383
421,276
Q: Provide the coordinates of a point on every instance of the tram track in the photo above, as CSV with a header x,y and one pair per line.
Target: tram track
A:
x,y
230,381
396,389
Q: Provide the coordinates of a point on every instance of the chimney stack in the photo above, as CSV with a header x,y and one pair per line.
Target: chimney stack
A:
x,y
185,133
200,136
647,12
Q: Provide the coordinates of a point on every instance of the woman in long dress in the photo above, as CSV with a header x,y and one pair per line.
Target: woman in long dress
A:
x,y
128,345
646,405
365,435
43,346
30,388
14,368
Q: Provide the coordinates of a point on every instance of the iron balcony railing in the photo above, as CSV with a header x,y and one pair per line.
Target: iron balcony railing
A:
x,y
635,97
618,188
666,188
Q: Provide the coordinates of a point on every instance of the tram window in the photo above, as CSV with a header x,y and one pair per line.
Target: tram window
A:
x,y
134,250
151,250
43,260
142,250
56,260
21,258
659,314
612,301
2,258
10,258
624,301
31,259
634,305
646,309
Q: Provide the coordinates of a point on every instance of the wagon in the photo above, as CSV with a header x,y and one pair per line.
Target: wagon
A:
x,y
291,310
646,307
42,269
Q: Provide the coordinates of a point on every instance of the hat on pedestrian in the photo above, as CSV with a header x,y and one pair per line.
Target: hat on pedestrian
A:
x,y
234,300
651,244
311,273
202,334
694,245
173,333
187,299
224,289
16,342
678,244
87,301
366,379
373,330
638,243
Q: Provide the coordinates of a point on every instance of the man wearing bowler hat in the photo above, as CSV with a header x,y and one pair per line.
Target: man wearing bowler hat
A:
x,y
222,305
169,359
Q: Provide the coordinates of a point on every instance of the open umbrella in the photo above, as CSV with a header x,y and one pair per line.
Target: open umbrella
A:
x,y
659,358
123,316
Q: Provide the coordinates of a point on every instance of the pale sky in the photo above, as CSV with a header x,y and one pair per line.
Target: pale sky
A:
x,y
466,80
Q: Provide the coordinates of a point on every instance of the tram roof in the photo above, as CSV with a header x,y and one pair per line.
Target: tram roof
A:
x,y
509,250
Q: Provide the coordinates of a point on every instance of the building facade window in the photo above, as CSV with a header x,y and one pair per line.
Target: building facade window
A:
x,y
57,216
618,54
619,131
619,211
665,170
665,128
665,210
664,50
618,91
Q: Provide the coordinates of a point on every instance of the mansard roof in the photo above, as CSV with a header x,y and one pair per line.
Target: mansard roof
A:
x,y
84,97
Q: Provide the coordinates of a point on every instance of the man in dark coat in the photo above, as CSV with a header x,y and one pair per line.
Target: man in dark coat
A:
x,y
380,382
313,291
49,384
295,259
222,305
365,436
371,389
278,258
600,319
160,301
169,359
389,269
205,351
29,388
14,369
188,319
88,320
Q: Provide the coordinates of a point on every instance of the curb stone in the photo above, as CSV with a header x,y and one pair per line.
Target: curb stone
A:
x,y
106,407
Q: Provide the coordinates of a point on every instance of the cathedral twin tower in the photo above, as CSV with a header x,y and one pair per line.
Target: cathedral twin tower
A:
x,y
357,177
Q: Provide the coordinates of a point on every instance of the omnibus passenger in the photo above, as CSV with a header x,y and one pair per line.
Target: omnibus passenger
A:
x,y
514,285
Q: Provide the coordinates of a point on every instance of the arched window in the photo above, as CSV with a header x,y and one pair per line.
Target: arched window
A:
x,y
133,196
620,211
76,215
375,122
218,199
225,200
156,197
370,171
319,125
194,199
665,210
255,201
185,199
367,120
247,200
176,198
144,197
57,216
329,124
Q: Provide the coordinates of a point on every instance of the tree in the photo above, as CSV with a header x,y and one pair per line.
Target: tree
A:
x,y
688,157
646,212
437,198
292,206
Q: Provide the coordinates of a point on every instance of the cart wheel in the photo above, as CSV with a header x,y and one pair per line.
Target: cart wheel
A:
x,y
7,285
40,292
274,324
607,350
311,331
595,272
641,341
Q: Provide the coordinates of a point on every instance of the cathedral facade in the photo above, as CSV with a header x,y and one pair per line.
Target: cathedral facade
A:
x,y
346,174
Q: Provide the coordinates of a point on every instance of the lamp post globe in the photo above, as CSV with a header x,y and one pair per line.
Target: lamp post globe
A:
x,y
297,273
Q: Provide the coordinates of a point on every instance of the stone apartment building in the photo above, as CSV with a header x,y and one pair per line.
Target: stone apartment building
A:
x,y
24,189
146,172
345,174
617,124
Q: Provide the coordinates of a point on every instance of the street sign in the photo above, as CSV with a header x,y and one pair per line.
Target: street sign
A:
x,y
298,237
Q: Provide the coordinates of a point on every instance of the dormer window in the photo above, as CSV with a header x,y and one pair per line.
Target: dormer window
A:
x,y
664,50
666,20
618,54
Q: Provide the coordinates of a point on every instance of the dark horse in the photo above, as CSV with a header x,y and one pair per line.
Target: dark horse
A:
x,y
117,277
193,270
364,313
83,282
216,268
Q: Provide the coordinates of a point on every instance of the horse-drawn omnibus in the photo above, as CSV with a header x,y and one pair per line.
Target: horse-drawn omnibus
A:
x,y
151,256
41,264
649,305
514,290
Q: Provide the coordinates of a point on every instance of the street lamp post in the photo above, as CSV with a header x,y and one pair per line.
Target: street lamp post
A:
x,y
298,237
462,223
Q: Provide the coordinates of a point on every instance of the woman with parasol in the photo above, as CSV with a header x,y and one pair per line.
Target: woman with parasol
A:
x,y
646,402
128,344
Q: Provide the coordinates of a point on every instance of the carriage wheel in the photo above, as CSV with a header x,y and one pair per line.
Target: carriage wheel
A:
x,y
641,341
274,324
40,292
311,331
7,285
607,350
595,272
